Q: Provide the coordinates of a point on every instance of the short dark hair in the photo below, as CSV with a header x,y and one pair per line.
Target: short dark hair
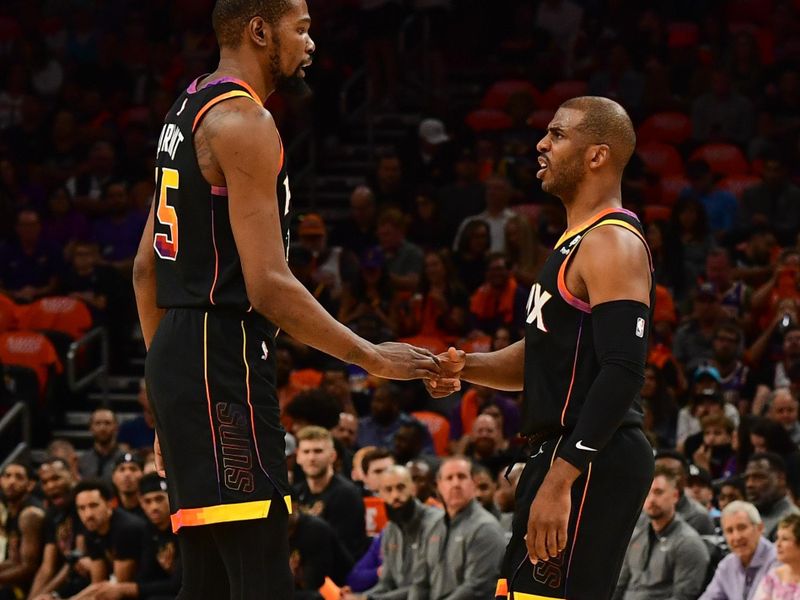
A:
x,y
775,461
315,407
606,121
674,454
24,465
373,455
230,17
91,485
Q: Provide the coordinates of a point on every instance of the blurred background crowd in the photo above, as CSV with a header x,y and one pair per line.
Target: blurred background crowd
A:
x,y
417,217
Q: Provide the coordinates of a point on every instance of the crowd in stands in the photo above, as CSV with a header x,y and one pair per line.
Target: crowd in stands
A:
x,y
397,495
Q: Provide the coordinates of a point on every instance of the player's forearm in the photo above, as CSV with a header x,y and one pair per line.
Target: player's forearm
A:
x,y
144,285
17,573
45,582
501,370
290,306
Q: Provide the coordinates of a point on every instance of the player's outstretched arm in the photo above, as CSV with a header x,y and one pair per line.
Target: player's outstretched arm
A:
x,y
244,141
501,370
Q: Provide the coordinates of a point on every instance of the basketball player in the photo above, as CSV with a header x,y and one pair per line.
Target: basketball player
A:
x,y
213,288
581,366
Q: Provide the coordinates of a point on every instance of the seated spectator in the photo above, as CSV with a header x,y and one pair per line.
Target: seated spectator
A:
x,y
374,464
690,510
312,407
700,488
487,446
769,436
385,418
722,114
738,386
464,196
60,571
485,489
424,479
357,232
370,294
87,187
346,430
409,444
730,490
427,226
765,484
327,495
63,449
781,580
388,184
693,341
738,574
706,399
139,433
29,266
500,301
315,554
660,407
474,401
460,554
735,294
128,471
753,261
689,229
118,233
113,537
20,530
678,568
403,259
496,215
99,460
775,201
505,493
86,279
409,522
720,205
331,265
712,448
301,264
471,252
782,408
63,225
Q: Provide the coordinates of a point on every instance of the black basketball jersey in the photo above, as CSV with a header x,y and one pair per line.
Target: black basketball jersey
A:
x,y
197,263
560,359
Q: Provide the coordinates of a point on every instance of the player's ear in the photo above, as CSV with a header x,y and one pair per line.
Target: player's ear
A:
x,y
599,154
258,30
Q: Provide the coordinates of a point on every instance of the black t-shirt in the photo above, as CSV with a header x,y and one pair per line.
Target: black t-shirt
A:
x,y
316,553
123,541
159,573
62,528
339,504
135,511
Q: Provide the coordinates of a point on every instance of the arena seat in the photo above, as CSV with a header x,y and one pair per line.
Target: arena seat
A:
x,y
661,159
439,428
670,187
62,314
724,159
33,350
561,91
668,127
499,92
488,119
9,314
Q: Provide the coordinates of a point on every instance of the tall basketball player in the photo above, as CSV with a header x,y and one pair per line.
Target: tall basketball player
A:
x,y
213,288
581,366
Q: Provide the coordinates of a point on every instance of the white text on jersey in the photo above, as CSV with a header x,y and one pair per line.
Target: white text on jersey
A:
x,y
169,139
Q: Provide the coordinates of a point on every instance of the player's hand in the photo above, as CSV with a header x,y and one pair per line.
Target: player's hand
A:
x,y
452,363
396,360
158,458
547,522
702,457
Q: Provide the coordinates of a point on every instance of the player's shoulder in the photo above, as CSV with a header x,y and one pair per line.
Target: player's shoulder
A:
x,y
613,242
237,118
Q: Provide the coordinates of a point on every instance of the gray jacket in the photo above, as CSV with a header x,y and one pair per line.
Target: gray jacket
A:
x,y
772,514
669,565
399,546
460,559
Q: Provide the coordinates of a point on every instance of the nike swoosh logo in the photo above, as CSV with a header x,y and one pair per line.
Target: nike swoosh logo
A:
x,y
580,446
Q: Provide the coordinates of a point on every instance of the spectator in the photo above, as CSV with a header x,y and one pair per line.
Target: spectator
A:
x,y
389,184
735,381
87,280
460,553
706,399
765,483
693,340
403,259
427,228
712,448
28,265
738,575
775,201
689,229
346,431
463,197
496,215
782,408
371,294
119,231
423,478
785,370
60,570
357,233
486,446
385,418
735,294
128,471
722,114
505,493
139,433
313,407
660,407
375,464
63,449
21,528
431,161
500,301
409,443
769,436
720,205
63,225
409,523
730,490
678,569
327,495
485,489
781,580
331,265
472,252
99,460
87,188
691,511
302,265
526,254
113,537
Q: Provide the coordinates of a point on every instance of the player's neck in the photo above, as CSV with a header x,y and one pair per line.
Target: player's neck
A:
x,y
317,485
588,200
248,70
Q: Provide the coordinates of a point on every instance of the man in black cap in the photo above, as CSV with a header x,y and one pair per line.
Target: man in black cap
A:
x,y
128,470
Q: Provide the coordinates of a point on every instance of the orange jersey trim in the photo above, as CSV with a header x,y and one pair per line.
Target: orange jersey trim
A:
x,y
224,513
587,223
501,591
214,101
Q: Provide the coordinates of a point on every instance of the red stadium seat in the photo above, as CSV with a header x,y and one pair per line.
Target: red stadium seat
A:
x,y
488,119
661,159
439,428
560,91
57,313
737,184
497,95
724,159
32,350
656,212
668,127
671,187
9,314
541,118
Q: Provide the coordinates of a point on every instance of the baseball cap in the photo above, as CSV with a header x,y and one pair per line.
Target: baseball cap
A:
x,y
152,482
312,224
433,131
699,475
707,371
129,457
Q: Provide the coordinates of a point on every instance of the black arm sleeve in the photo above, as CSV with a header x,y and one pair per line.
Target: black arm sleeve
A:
x,y
620,331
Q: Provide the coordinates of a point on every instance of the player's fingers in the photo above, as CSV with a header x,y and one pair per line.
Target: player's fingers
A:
x,y
540,545
563,536
551,542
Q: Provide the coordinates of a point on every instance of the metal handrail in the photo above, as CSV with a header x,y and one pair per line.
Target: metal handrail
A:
x,y
99,373
18,412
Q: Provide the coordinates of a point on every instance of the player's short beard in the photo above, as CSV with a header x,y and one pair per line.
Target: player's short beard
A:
x,y
287,85
570,176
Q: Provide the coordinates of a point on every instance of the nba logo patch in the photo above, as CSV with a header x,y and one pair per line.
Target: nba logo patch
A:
x,y
640,327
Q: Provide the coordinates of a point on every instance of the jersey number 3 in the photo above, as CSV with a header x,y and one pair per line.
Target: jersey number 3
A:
x,y
166,244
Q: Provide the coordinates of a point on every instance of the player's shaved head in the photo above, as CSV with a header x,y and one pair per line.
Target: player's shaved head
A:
x,y
605,121
230,17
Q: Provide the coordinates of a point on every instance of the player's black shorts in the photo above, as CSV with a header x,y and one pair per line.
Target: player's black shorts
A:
x,y
211,380
606,502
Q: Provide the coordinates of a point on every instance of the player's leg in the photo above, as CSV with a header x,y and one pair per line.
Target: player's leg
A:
x,y
203,575
256,555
